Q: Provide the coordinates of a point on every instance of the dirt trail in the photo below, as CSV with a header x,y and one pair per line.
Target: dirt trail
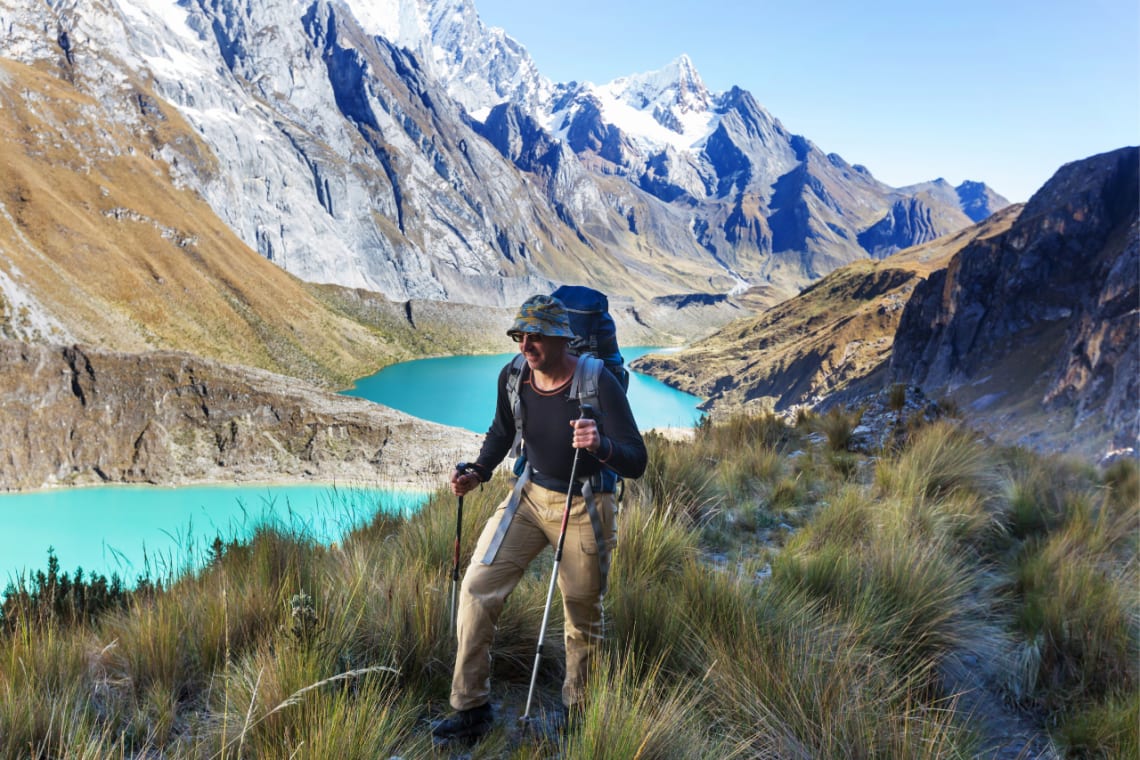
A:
x,y
1007,733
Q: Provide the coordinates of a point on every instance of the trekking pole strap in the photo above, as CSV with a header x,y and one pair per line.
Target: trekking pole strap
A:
x,y
508,515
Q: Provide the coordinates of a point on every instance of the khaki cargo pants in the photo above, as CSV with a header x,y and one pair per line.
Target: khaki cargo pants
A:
x,y
535,526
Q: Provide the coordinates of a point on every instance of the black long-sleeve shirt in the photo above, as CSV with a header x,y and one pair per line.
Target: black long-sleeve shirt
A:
x,y
547,433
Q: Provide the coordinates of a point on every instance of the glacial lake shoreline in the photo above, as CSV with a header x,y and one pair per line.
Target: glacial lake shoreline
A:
x,y
121,527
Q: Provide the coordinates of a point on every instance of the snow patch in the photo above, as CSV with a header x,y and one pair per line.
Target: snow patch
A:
x,y
398,21
172,15
481,114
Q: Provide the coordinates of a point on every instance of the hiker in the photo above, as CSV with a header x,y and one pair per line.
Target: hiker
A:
x,y
531,518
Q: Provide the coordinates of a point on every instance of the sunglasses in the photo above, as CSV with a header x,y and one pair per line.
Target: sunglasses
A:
x,y
534,337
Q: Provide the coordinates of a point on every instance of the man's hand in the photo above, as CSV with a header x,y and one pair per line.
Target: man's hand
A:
x,y
462,483
586,435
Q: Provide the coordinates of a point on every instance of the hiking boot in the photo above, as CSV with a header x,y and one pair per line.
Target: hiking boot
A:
x,y
465,724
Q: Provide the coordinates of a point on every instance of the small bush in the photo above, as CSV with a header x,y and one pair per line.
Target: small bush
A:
x,y
838,426
896,397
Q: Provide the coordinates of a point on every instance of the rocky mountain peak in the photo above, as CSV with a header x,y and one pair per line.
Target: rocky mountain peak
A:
x,y
479,66
349,142
978,200
675,96
678,83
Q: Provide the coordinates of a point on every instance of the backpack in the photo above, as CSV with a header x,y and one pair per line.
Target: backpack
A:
x,y
595,344
593,327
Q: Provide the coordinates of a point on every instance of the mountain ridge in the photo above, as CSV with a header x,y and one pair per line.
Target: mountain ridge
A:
x,y
344,157
1026,321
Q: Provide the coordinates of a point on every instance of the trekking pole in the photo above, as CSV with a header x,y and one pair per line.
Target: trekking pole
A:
x,y
462,469
587,413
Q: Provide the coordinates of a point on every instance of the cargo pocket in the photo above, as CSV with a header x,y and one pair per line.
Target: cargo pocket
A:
x,y
586,538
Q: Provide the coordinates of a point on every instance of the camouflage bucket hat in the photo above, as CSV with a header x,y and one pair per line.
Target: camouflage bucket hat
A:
x,y
544,315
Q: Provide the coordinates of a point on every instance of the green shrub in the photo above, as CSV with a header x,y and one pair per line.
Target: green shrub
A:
x,y
1105,729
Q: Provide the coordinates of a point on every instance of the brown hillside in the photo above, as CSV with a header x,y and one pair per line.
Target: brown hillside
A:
x,y
834,334
101,246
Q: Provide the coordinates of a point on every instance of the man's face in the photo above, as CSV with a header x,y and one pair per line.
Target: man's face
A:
x,y
543,353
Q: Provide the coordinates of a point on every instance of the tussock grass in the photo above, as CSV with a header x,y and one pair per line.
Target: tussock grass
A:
x,y
1073,580
760,605
910,598
1106,729
838,426
800,684
941,460
636,710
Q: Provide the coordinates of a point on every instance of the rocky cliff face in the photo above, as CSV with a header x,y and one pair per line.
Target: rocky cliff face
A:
x,y
1038,326
364,144
75,415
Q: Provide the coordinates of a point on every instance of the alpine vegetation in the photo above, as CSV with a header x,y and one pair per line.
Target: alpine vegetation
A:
x,y
946,598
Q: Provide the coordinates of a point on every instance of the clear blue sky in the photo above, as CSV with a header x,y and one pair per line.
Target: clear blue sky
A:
x,y
1000,92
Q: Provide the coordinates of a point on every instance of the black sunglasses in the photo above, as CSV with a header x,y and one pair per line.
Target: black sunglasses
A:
x,y
534,337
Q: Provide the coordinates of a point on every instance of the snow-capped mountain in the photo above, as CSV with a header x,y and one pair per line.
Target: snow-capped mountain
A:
x,y
480,66
404,147
666,108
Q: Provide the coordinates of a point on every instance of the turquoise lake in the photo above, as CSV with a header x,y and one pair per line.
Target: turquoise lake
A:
x,y
132,529
460,391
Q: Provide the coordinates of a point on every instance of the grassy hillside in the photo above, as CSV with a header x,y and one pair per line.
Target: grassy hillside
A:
x,y
772,595
834,335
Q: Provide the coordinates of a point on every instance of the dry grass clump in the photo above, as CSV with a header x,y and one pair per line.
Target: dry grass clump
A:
x,y
798,683
838,426
1074,587
725,636
636,709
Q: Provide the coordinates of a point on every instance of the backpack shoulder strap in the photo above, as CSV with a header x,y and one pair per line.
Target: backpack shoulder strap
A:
x,y
514,377
584,386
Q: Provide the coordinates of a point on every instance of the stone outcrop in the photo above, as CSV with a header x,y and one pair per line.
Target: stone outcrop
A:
x,y
75,415
1038,327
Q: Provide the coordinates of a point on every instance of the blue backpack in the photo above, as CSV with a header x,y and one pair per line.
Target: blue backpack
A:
x,y
593,327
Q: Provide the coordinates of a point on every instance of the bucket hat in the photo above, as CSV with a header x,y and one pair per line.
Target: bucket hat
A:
x,y
544,315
